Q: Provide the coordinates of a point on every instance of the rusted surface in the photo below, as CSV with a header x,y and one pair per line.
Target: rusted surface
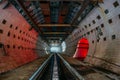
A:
x,y
23,72
18,42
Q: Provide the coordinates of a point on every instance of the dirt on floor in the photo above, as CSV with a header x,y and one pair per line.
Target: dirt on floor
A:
x,y
73,61
25,71
84,69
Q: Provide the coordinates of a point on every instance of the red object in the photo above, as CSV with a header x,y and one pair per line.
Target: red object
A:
x,y
82,49
19,42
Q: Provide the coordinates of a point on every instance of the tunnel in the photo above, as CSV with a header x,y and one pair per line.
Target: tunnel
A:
x,y
59,39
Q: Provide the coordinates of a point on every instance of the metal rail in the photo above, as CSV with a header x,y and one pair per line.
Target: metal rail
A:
x,y
55,75
71,69
53,69
40,69
109,74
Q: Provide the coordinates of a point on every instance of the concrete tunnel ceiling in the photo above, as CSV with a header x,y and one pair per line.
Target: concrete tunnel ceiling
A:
x,y
54,20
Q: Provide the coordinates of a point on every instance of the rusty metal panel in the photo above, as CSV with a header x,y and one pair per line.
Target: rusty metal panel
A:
x,y
18,41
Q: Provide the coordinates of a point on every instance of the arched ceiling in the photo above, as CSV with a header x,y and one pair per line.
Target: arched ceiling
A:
x,y
54,19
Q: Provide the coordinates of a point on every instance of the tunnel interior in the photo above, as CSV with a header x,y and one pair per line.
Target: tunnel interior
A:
x,y
83,30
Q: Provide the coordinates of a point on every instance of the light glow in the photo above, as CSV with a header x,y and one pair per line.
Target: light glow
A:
x,y
63,46
55,49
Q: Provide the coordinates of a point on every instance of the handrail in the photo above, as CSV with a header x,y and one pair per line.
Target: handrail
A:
x,y
71,69
39,70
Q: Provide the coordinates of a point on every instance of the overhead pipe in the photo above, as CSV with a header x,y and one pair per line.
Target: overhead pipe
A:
x,y
20,3
83,7
38,11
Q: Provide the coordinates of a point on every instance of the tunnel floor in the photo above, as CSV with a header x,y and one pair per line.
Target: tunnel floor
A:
x,y
87,71
23,72
90,72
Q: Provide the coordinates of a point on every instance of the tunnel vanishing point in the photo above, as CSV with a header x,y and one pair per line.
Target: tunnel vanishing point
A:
x,y
59,39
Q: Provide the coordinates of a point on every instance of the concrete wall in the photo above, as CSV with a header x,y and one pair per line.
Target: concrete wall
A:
x,y
104,49
17,43
41,47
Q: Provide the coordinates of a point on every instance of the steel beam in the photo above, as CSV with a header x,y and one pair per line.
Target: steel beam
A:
x,y
66,0
54,25
52,37
84,5
55,33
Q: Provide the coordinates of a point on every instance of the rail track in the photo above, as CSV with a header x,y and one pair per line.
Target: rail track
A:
x,y
84,70
57,68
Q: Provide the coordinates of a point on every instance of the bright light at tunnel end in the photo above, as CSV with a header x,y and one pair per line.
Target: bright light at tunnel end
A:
x,y
58,48
55,49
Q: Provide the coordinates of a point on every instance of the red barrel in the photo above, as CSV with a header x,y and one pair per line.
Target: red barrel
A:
x,y
82,49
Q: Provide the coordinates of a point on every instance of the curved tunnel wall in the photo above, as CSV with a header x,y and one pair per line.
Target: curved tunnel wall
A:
x,y
17,43
101,28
